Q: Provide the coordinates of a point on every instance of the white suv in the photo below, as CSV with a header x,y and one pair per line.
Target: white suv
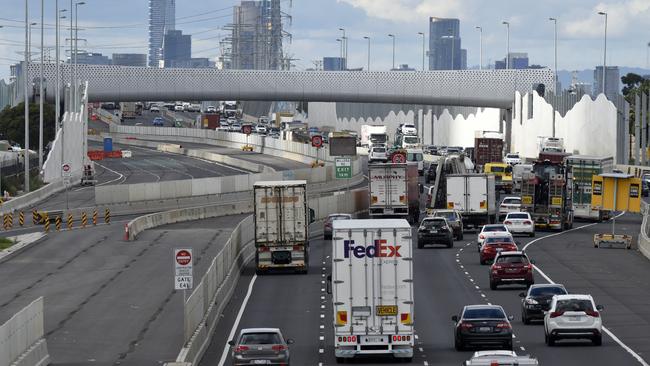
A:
x,y
573,317
408,129
512,159
378,153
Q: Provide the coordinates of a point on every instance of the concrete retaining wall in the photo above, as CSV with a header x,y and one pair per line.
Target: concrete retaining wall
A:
x,y
31,198
22,341
644,239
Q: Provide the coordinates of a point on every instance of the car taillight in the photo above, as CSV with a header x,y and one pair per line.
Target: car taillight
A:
x,y
555,314
481,236
503,325
497,266
529,267
593,313
279,347
348,339
507,222
528,222
297,247
263,249
466,325
240,349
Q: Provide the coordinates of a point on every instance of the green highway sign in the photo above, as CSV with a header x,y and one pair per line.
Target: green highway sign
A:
x,y
343,168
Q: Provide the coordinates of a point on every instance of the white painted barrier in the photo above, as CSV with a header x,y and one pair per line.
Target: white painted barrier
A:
x,y
31,198
22,341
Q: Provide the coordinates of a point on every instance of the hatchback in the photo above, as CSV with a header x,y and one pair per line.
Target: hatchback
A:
x,y
263,346
327,226
493,245
482,325
511,268
490,230
537,300
519,223
573,317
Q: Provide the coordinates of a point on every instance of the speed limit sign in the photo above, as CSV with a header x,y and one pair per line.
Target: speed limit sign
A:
x,y
398,158
247,129
317,141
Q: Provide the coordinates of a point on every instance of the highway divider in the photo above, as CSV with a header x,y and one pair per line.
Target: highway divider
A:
x,y
31,198
22,338
643,240
218,158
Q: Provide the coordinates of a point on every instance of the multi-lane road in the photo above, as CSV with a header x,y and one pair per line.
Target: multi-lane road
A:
x,y
445,280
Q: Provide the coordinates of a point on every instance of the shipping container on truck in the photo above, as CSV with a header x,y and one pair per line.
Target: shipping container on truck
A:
x,y
553,156
394,191
128,110
584,167
372,288
488,148
547,194
281,225
474,196
210,121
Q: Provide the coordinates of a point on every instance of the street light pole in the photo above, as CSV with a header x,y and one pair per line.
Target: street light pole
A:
x,y
26,85
368,38
507,24
340,53
554,20
422,34
604,50
40,99
480,47
647,56
345,47
393,37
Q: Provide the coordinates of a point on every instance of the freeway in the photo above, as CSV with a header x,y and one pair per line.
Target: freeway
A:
x,y
447,279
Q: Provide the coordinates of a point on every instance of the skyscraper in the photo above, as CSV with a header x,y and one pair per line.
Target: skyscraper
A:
x,y
130,59
445,52
517,60
162,15
177,48
256,36
612,86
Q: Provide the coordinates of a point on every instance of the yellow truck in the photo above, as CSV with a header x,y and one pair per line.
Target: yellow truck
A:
x,y
502,173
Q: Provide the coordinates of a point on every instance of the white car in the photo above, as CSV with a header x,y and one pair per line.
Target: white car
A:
x,y
260,129
512,159
508,205
573,317
154,108
519,223
488,358
179,108
378,153
490,230
211,109
408,129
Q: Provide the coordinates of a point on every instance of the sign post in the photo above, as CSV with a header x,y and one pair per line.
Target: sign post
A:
x,y
66,172
317,142
343,169
183,275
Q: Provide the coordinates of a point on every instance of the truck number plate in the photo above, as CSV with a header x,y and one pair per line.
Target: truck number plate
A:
x,y
527,200
386,310
376,339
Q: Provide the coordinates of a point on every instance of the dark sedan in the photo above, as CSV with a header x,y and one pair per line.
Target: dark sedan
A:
x,y
482,325
537,300
435,230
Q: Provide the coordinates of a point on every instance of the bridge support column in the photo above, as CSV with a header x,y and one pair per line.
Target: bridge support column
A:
x,y
507,120
637,128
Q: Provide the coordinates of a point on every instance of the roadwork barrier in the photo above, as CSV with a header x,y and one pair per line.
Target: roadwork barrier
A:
x,y
22,341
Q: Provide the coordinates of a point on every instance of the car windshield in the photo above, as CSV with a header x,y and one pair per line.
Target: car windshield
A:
x,y
411,139
379,149
496,169
515,259
512,156
433,223
547,290
339,217
450,216
494,228
574,305
484,313
498,239
260,338
414,157
512,201
517,216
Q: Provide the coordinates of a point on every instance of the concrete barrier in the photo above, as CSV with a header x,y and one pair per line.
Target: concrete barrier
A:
x,y
31,198
22,341
643,240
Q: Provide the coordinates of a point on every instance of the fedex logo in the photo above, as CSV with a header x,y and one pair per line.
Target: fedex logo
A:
x,y
379,249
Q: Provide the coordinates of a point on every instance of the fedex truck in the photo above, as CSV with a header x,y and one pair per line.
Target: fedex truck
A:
x,y
372,288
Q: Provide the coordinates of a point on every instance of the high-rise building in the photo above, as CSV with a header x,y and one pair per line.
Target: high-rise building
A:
x,y
256,39
130,59
334,64
162,15
177,47
445,52
518,60
91,58
403,67
612,79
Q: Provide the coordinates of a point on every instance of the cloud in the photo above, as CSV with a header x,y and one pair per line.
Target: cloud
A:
x,y
621,18
404,10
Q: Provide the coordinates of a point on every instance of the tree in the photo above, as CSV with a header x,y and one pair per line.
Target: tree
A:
x,y
12,124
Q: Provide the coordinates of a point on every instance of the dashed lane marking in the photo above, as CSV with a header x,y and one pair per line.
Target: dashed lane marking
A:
x,y
233,330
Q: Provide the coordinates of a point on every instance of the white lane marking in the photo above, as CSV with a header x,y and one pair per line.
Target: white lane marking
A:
x,y
112,171
426,363
522,348
607,331
483,296
320,350
231,336
321,338
421,349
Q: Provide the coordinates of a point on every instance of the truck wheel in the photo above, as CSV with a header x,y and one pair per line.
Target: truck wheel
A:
x,y
340,360
450,244
407,359
532,235
458,345
493,285
460,236
260,272
420,245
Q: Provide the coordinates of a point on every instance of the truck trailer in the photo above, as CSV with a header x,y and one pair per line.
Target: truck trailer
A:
x,y
474,197
372,288
584,168
394,191
281,223
547,194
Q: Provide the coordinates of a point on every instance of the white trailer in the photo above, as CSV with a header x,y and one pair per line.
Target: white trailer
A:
x,y
373,134
281,221
372,288
473,195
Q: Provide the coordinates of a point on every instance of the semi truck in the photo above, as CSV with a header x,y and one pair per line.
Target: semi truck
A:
x,y
130,110
372,288
488,147
474,197
373,134
547,194
394,191
281,225
584,167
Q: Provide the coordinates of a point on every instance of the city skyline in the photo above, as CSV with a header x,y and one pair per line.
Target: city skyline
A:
x,y
314,35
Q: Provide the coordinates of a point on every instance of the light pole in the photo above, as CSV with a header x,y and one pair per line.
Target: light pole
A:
x,y
345,47
340,53
393,37
604,50
26,95
507,24
368,38
76,50
57,92
480,47
40,98
422,34
647,57
554,20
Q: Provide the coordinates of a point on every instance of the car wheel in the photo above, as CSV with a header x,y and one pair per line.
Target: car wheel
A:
x,y
482,261
550,340
420,245
524,318
460,237
598,340
458,345
327,237
260,272
406,359
493,285
450,244
340,360
507,346
532,235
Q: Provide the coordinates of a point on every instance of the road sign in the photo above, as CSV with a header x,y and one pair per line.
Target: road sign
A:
x,y
66,171
183,277
247,129
398,158
343,167
317,141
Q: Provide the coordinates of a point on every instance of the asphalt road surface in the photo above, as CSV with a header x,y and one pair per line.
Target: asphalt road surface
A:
x,y
446,280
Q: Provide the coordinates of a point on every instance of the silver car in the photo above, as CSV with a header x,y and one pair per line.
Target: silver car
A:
x,y
260,346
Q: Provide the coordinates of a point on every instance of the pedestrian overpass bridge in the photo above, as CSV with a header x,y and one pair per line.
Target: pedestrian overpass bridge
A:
x,y
474,88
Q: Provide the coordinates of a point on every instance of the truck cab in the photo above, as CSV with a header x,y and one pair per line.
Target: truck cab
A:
x,y
416,156
502,173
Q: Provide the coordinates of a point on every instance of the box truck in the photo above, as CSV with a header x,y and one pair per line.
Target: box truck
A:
x,y
281,223
474,196
373,134
584,168
394,191
372,288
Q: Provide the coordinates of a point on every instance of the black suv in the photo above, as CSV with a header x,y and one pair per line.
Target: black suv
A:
x,y
435,230
538,300
453,219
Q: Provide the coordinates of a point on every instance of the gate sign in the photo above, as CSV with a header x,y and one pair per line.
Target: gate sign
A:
x,y
398,158
247,129
343,168
66,170
317,141
183,276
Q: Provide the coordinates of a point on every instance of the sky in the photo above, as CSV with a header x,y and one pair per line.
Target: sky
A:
x,y
121,26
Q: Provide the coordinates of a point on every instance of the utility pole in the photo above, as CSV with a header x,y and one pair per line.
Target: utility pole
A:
x,y
393,37
507,24
423,52
40,99
604,51
480,47
25,86
368,38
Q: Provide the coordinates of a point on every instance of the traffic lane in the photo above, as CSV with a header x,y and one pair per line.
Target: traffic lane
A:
x,y
530,338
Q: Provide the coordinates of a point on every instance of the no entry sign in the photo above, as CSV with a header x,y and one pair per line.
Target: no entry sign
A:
x,y
183,277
